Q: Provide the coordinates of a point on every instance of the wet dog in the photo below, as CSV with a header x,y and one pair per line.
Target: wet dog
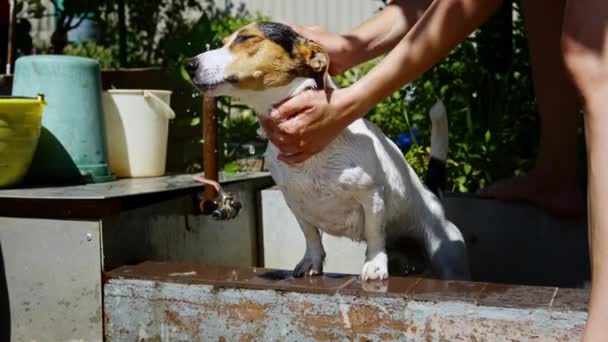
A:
x,y
360,186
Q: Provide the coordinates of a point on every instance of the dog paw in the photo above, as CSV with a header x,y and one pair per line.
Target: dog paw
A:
x,y
308,266
375,269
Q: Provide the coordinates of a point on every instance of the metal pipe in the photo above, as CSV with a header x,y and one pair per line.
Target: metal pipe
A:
x,y
210,158
11,24
216,202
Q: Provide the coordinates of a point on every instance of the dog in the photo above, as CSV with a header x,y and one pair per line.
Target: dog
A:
x,y
360,186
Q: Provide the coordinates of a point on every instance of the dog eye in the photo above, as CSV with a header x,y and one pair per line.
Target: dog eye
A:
x,y
240,39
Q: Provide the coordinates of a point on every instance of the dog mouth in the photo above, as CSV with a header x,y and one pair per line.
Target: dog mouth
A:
x,y
209,86
205,87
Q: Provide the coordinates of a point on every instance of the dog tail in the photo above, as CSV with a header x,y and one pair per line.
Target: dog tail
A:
x,y
436,175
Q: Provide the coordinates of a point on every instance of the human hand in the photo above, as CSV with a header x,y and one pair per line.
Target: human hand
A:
x,y
305,124
338,47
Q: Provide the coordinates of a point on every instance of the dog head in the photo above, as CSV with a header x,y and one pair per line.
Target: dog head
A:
x,y
259,57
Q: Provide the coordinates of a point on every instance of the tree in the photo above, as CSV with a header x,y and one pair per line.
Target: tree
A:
x,y
69,16
69,13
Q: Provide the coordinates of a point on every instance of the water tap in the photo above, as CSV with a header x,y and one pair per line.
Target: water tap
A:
x,y
228,208
222,208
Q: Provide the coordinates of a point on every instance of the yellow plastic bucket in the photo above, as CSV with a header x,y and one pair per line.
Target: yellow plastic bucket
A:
x,y
20,122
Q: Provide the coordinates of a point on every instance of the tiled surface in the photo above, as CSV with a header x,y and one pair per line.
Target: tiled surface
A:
x,y
223,276
437,290
195,274
571,300
393,286
485,294
503,295
323,285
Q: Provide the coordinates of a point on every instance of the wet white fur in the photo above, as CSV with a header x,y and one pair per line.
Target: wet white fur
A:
x,y
359,186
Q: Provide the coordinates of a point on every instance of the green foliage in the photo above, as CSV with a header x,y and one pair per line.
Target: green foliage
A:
x,y
491,109
29,9
181,35
238,124
418,156
231,167
168,46
69,14
105,55
69,8
241,127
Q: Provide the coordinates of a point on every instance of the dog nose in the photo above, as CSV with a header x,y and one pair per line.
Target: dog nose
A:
x,y
191,65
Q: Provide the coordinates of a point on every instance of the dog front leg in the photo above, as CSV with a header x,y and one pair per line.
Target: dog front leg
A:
x,y
376,259
312,262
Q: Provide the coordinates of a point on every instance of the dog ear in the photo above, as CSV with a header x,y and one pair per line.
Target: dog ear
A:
x,y
319,59
314,55
316,58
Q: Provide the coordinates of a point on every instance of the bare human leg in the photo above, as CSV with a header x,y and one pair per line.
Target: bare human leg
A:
x,y
585,47
552,183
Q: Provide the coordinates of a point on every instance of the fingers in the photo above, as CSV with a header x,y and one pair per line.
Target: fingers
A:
x,y
291,107
288,123
280,138
286,144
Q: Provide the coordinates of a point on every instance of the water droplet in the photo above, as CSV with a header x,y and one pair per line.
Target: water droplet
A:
x,y
189,43
207,46
251,149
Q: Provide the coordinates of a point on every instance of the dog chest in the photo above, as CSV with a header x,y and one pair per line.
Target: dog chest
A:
x,y
321,197
326,210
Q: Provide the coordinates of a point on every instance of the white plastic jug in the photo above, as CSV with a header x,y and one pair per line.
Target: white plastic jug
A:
x,y
137,128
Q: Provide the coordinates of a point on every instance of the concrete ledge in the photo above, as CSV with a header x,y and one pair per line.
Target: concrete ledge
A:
x,y
506,242
177,302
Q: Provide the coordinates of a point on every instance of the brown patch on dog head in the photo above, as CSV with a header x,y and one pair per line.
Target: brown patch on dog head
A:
x,y
316,59
270,55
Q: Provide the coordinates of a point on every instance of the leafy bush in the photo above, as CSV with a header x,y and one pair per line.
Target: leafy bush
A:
x,y
168,46
492,115
106,56
237,124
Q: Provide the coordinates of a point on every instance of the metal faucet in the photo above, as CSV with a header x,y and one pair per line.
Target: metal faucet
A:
x,y
223,207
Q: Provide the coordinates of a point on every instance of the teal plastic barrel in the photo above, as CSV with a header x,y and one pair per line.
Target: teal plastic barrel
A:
x,y
73,134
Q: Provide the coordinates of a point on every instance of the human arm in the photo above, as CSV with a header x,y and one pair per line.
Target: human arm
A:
x,y
305,124
372,38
